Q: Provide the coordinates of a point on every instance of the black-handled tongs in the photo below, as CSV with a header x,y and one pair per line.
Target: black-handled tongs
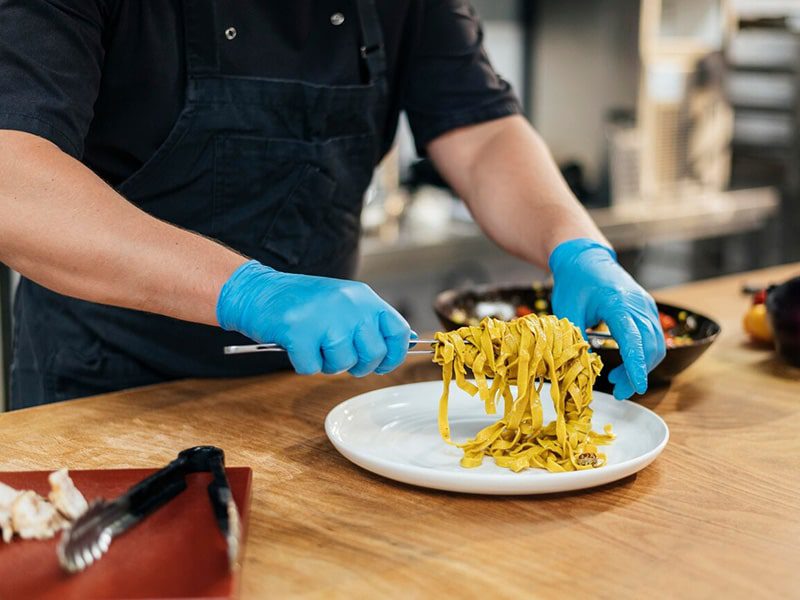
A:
x,y
89,537
596,337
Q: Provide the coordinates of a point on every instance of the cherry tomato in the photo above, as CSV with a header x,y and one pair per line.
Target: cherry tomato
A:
x,y
757,325
667,322
523,310
760,297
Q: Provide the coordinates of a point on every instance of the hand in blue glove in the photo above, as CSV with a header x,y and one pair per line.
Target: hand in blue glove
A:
x,y
590,286
328,325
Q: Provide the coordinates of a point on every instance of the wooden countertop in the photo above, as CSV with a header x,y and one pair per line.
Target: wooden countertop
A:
x,y
717,514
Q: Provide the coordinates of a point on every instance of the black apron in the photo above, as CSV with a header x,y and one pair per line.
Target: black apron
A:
x,y
276,169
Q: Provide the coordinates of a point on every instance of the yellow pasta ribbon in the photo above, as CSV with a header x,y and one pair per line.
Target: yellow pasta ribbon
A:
x,y
525,352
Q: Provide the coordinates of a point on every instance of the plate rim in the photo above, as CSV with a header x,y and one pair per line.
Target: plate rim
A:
x,y
469,480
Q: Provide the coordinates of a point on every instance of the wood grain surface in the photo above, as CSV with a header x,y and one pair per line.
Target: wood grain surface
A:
x,y
718,514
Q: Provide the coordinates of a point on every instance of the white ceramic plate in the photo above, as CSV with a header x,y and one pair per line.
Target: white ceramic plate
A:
x,y
393,432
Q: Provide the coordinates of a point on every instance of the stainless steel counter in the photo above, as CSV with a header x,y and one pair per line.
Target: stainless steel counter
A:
x,y
626,226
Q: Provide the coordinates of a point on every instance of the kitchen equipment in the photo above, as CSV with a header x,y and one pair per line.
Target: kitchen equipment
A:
x,y
176,553
783,309
394,432
89,537
248,349
251,348
465,304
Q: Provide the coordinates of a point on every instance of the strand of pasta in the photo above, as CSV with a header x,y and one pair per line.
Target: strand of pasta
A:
x,y
525,352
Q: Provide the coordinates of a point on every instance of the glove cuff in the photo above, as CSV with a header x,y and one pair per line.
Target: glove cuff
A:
x,y
231,300
567,251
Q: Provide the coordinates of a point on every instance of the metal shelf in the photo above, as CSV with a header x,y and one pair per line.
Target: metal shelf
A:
x,y
765,70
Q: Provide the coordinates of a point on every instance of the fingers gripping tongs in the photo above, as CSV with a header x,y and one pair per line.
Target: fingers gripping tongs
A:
x,y
89,537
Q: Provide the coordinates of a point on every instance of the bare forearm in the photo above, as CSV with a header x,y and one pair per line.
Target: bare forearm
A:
x,y
66,229
504,172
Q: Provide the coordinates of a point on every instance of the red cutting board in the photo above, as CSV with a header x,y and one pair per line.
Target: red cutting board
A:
x,y
176,552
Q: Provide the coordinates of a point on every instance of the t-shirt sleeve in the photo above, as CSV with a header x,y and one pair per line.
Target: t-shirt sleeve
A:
x,y
51,54
451,82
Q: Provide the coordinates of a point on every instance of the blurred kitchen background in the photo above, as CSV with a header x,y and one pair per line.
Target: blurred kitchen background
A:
x,y
676,122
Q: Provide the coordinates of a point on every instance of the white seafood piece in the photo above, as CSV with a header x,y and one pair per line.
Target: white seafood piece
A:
x,y
7,497
65,496
6,529
33,517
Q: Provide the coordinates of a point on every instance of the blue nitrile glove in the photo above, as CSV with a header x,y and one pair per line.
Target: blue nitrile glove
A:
x,y
590,286
328,325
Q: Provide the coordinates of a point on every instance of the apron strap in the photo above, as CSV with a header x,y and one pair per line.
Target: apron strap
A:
x,y
372,49
202,39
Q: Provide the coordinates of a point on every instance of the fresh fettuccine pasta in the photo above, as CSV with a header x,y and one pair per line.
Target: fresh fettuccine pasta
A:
x,y
525,352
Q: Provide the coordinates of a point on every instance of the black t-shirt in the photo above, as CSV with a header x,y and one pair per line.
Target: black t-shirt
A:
x,y
104,79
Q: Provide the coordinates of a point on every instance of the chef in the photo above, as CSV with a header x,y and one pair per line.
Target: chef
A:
x,y
180,175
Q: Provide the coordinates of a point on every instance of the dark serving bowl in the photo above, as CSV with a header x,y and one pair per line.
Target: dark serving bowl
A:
x,y
783,308
502,301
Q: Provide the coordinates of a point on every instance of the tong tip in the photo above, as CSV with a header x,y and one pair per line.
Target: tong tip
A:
x,y
85,541
234,534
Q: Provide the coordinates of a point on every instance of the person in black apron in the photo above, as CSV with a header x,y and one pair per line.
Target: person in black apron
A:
x,y
275,169
257,164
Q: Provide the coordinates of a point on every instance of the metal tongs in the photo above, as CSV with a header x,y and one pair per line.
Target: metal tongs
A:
x,y
89,537
250,348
